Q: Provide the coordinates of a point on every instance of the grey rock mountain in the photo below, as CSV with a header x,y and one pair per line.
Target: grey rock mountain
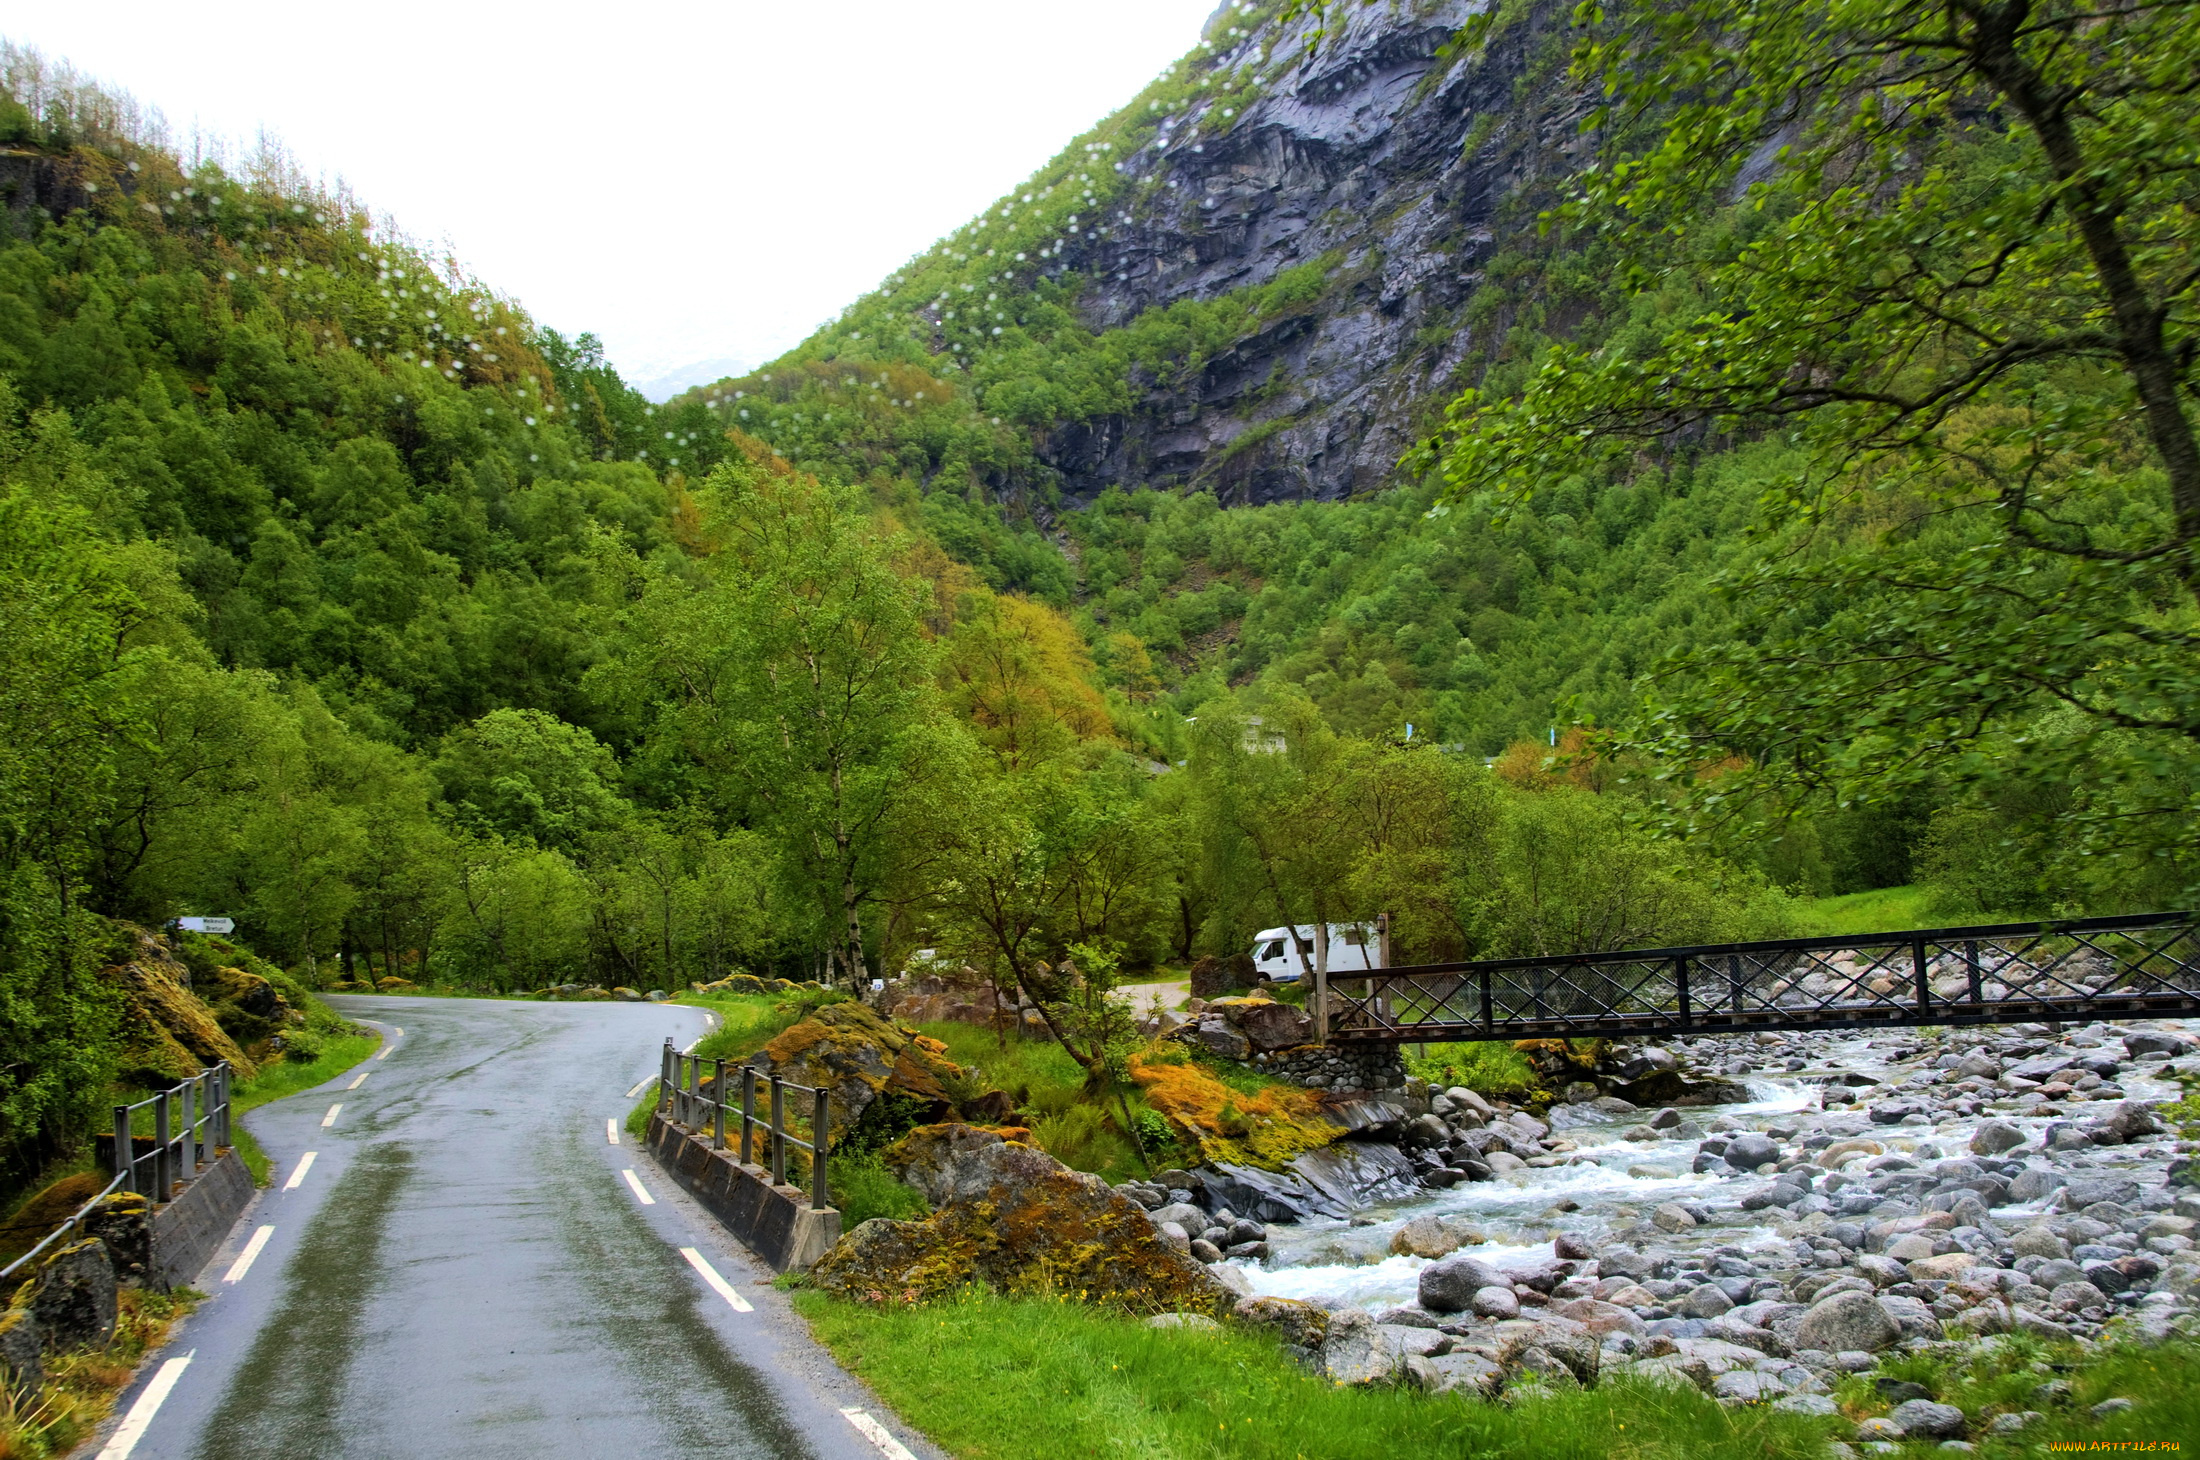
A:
x,y
1391,153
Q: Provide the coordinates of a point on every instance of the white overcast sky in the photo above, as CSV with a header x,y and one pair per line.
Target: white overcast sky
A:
x,y
692,181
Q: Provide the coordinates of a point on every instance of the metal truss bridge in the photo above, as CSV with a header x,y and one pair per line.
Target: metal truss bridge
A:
x,y
2093,968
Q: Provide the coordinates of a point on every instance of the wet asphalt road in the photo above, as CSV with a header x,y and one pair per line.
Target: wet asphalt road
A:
x,y
465,1271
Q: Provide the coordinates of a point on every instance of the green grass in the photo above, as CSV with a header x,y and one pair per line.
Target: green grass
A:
x,y
1882,910
282,1078
992,1378
1048,1086
1485,1067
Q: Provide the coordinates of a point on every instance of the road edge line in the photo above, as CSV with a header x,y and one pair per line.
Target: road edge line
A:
x,y
877,1434
140,1418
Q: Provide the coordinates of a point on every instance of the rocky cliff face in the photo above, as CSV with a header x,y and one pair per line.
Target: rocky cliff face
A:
x,y
1388,153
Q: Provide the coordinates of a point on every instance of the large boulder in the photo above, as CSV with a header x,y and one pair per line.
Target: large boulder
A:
x,y
1358,1351
1433,1236
1331,1181
74,1299
857,1054
1017,1220
1449,1286
1848,1321
1266,1024
1749,1150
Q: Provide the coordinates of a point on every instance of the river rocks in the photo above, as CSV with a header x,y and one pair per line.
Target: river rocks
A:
x,y
1014,1218
1303,1326
1848,1321
1996,1136
1672,1217
1494,1301
1334,1181
2038,1241
1706,1301
1434,1236
1449,1286
1748,1151
1357,1350
1924,1419
1457,1372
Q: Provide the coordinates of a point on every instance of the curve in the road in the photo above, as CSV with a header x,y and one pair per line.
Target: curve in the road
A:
x,y
455,1262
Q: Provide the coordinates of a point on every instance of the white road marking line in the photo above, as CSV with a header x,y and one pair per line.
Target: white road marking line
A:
x,y
361,1080
611,1130
140,1418
330,1118
399,1032
718,1284
384,1052
246,1258
641,1192
638,1089
305,1164
878,1435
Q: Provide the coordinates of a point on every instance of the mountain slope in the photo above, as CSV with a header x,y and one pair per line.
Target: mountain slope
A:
x,y
1258,278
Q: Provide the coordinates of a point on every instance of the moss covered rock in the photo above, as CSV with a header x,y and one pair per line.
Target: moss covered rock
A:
x,y
168,1033
1016,1220
856,1054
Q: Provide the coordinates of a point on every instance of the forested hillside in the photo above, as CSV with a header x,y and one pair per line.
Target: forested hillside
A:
x,y
1308,496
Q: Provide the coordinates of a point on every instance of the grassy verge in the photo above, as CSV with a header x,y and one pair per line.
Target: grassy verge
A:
x,y
992,1378
285,1077
81,1386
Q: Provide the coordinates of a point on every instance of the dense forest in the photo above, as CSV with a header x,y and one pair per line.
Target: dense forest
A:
x,y
342,599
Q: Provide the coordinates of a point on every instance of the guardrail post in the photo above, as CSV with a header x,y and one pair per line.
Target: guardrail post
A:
x,y
1680,982
163,1170
664,1077
187,1140
748,1115
125,1150
779,1144
1924,983
1970,967
820,1144
718,1106
1489,1015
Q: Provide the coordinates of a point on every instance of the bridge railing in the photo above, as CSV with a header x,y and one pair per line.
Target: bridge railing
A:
x,y
688,1098
2122,966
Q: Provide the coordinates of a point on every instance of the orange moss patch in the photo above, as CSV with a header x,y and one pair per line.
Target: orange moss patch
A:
x,y
1265,1130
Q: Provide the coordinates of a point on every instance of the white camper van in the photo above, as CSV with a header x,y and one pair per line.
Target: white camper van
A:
x,y
1353,948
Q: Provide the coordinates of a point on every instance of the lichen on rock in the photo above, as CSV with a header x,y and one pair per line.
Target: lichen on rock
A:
x,y
1014,1219
856,1054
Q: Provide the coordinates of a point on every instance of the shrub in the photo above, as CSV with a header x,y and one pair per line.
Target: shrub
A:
x,y
863,1188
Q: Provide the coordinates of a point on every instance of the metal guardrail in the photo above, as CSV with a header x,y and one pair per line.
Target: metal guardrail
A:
x,y
190,1123
2147,964
180,1148
681,1096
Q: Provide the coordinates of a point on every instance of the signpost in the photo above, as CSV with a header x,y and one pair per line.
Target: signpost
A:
x,y
207,925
